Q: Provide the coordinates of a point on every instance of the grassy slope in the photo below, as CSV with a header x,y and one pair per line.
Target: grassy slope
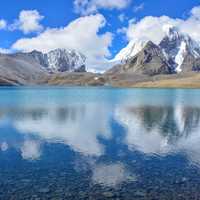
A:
x,y
189,80
192,81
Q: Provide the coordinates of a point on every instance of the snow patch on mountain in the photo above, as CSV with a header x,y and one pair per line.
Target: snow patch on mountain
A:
x,y
180,56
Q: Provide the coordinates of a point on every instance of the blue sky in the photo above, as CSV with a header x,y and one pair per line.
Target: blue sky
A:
x,y
110,34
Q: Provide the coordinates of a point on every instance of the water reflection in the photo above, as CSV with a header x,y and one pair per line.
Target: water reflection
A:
x,y
116,142
30,150
111,174
76,125
162,130
149,129
4,146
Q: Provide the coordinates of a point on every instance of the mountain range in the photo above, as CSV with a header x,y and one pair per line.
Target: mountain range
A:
x,y
35,67
176,57
177,52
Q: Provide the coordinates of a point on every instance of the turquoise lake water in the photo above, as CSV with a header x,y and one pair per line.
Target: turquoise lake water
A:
x,y
99,143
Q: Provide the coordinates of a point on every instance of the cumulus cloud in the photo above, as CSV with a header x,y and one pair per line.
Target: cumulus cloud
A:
x,y
153,28
149,28
28,22
86,7
3,24
81,34
196,12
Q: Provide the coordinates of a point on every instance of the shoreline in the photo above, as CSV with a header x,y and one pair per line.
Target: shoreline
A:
x,y
167,81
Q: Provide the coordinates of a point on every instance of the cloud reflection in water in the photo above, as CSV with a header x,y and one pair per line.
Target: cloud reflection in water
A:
x,y
111,175
162,130
78,126
165,127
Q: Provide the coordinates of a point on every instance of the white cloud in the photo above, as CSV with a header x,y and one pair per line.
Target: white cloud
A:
x,y
138,7
149,28
196,12
3,24
152,28
81,34
28,22
86,7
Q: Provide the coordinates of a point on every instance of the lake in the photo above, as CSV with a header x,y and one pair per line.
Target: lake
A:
x,y
99,143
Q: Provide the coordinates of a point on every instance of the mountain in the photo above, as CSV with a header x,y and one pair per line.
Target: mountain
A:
x,y
60,60
20,69
131,50
178,47
36,67
149,61
177,52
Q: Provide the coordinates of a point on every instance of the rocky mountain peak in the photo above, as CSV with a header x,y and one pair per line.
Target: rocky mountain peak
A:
x,y
60,60
65,60
149,61
151,46
177,46
171,32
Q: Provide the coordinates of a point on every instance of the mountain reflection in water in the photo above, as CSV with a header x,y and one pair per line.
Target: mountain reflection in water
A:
x,y
134,143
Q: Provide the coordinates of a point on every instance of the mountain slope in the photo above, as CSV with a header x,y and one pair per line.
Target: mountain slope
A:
x,y
130,51
149,61
35,67
18,69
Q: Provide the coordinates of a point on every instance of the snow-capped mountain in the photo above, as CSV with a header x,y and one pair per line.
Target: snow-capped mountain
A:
x,y
65,60
131,50
176,46
60,60
149,61
179,49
